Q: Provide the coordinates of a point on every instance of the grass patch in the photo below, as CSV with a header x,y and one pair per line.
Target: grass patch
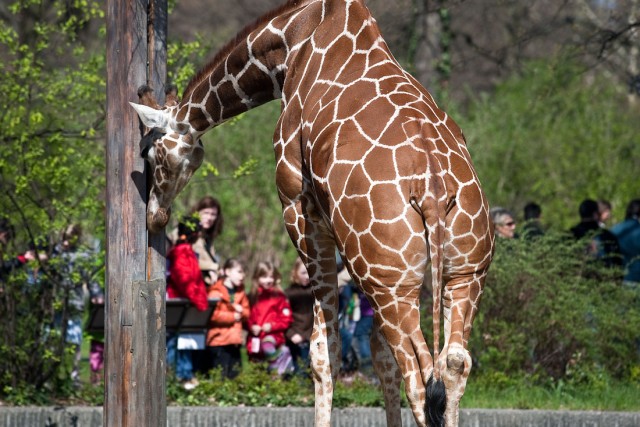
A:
x,y
256,387
523,394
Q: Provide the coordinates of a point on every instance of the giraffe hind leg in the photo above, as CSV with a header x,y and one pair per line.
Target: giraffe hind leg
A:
x,y
461,298
390,378
399,322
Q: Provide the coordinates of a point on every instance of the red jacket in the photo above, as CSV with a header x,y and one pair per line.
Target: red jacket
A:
x,y
185,279
224,329
271,306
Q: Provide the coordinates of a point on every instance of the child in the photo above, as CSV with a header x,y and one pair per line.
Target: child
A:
x,y
301,301
269,319
185,281
224,337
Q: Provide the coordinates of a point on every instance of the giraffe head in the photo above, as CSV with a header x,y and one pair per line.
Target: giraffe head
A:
x,y
174,152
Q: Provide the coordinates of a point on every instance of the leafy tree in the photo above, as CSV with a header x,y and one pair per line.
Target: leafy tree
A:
x,y
51,96
52,93
555,136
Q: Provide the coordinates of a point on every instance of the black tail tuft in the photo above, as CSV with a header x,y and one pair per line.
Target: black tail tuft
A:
x,y
436,402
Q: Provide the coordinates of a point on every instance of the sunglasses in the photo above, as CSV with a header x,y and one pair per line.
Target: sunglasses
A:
x,y
509,224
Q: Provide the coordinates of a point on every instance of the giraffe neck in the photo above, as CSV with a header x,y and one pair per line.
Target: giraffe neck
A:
x,y
250,70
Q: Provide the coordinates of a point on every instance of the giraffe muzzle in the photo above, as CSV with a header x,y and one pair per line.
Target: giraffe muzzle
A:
x,y
156,221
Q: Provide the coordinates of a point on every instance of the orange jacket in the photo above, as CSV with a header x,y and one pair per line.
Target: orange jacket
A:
x,y
223,328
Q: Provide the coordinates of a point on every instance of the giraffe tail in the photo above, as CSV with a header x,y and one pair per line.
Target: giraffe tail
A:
x,y
433,211
436,398
436,402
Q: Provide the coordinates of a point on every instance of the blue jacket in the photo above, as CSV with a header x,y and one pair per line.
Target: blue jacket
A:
x,y
628,234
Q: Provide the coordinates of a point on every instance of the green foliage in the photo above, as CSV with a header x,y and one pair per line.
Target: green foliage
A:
x,y
257,387
52,94
359,394
181,59
90,395
37,300
549,310
555,136
253,387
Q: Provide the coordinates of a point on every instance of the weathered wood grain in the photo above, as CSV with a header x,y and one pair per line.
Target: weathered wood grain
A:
x,y
135,345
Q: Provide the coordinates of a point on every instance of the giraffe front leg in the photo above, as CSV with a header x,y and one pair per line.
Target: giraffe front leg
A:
x,y
324,351
390,376
325,338
317,249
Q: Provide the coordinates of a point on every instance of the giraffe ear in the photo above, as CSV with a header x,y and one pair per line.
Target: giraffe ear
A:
x,y
152,118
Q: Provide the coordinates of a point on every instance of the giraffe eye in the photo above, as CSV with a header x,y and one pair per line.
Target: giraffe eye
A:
x,y
146,143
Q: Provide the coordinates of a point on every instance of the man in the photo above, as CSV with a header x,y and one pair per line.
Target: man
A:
x,y
628,234
604,244
532,227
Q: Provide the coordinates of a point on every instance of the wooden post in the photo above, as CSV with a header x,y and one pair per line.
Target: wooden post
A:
x,y
135,343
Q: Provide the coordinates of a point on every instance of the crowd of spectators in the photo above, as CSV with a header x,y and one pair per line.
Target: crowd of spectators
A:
x,y
614,247
270,320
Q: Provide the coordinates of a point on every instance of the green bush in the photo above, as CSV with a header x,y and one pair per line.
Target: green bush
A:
x,y
557,135
35,360
548,308
253,387
257,387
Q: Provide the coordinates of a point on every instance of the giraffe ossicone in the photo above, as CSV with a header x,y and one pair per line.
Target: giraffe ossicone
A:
x,y
365,162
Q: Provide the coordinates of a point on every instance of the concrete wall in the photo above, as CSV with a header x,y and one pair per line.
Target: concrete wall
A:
x,y
303,417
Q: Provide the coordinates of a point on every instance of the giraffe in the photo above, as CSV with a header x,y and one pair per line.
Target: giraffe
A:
x,y
365,162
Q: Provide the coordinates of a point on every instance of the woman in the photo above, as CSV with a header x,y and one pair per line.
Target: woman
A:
x,y
185,281
503,220
209,212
